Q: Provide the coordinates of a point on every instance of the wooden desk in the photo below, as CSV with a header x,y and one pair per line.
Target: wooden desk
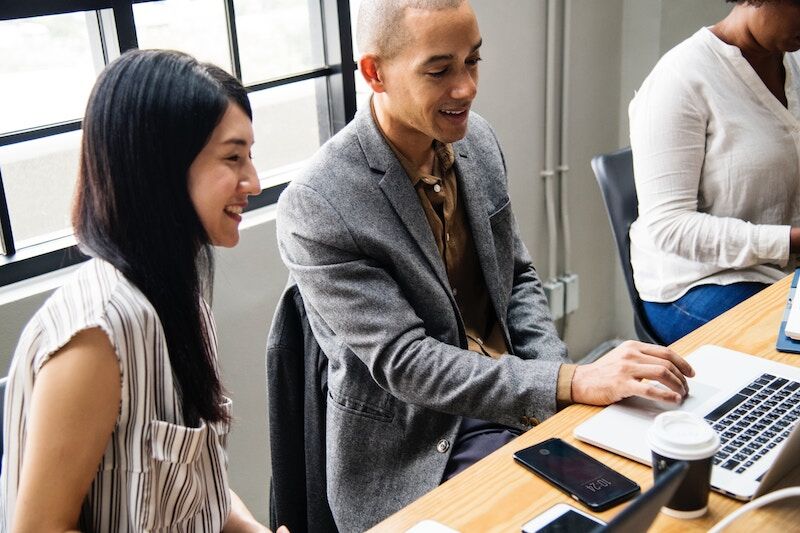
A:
x,y
497,494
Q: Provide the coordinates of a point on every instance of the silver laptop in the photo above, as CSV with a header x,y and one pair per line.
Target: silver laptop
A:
x,y
752,403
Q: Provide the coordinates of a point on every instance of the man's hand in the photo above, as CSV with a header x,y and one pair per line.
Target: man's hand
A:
x,y
626,371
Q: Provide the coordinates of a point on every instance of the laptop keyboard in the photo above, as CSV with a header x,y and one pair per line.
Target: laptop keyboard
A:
x,y
754,421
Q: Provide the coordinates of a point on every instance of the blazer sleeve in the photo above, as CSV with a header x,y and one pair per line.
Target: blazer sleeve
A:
x,y
364,307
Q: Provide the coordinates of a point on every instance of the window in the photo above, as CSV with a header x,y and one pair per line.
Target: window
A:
x,y
286,52
363,91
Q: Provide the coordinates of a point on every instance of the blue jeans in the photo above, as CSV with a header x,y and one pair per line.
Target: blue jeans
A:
x,y
673,320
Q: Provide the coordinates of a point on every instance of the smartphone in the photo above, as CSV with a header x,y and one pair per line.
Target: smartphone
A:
x,y
584,478
563,518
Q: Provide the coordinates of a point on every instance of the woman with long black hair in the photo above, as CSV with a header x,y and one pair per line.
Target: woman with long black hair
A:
x,y
115,416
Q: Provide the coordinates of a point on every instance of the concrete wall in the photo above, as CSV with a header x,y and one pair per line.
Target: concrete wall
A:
x,y
607,35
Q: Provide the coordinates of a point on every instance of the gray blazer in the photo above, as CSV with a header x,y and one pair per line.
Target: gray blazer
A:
x,y
355,238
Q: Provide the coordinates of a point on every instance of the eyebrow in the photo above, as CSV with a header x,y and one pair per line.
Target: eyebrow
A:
x,y
237,141
447,57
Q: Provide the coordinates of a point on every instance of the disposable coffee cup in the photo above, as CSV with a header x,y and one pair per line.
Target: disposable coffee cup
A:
x,y
681,436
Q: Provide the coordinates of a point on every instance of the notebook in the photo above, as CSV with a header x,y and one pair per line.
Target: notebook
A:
x,y
784,342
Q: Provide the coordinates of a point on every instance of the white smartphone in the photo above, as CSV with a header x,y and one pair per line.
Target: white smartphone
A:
x,y
562,518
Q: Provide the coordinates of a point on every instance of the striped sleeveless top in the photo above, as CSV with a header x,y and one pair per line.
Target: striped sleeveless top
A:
x,y
156,473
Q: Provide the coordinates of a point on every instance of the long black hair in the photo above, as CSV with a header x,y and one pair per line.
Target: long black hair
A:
x,y
149,115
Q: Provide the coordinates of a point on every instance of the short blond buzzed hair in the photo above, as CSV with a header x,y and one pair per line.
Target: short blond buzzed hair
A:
x,y
380,30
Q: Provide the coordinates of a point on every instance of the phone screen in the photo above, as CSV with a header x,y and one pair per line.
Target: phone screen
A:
x,y
592,482
569,522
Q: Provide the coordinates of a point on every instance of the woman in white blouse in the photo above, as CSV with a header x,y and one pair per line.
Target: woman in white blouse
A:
x,y
715,133
115,417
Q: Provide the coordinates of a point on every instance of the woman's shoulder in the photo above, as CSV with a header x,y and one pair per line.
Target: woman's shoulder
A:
x,y
95,295
691,57
682,74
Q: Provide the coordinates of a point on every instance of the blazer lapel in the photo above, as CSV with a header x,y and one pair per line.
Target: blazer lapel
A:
x,y
476,210
396,185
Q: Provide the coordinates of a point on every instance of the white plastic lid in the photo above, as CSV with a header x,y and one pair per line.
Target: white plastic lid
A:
x,y
683,436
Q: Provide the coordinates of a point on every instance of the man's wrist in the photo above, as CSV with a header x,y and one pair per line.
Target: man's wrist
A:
x,y
564,385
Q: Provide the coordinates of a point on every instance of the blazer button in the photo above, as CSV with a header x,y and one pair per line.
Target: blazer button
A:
x,y
443,446
534,421
525,421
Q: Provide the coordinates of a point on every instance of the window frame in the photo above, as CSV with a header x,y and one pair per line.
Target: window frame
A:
x,y
336,106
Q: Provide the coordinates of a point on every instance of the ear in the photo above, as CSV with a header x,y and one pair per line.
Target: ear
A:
x,y
369,66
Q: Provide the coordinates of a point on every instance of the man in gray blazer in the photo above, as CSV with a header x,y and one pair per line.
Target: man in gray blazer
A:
x,y
402,241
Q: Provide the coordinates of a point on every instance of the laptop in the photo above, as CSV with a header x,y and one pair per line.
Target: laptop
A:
x,y
752,403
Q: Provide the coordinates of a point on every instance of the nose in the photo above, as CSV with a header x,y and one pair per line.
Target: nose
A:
x,y
466,86
248,182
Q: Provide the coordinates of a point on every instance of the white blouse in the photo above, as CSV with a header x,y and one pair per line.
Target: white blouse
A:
x,y
156,473
717,164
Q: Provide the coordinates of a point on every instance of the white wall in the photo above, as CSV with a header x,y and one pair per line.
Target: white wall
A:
x,y
511,97
249,280
605,65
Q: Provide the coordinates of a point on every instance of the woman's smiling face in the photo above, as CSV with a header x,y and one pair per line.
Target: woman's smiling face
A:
x,y
222,176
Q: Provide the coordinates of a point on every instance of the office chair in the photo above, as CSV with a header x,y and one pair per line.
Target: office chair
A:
x,y
297,391
614,174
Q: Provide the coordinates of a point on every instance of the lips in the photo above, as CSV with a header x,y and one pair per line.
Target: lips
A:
x,y
456,115
234,211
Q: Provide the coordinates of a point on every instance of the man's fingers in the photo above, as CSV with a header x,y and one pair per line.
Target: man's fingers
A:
x,y
663,375
663,352
657,361
649,390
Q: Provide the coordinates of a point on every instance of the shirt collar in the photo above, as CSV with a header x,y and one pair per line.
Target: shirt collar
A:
x,y
444,157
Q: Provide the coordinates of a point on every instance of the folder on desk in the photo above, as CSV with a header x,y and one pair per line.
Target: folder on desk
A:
x,y
787,344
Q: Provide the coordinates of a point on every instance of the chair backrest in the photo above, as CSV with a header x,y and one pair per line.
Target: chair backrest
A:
x,y
297,391
614,174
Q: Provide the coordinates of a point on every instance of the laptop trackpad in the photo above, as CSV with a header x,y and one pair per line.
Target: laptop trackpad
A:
x,y
699,393
622,427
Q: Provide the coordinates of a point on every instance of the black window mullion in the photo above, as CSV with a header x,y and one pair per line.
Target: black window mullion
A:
x,y
346,54
103,38
5,223
38,262
126,26
294,78
233,38
39,132
39,8
339,51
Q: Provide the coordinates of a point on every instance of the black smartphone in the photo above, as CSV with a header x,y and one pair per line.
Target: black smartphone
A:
x,y
584,478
